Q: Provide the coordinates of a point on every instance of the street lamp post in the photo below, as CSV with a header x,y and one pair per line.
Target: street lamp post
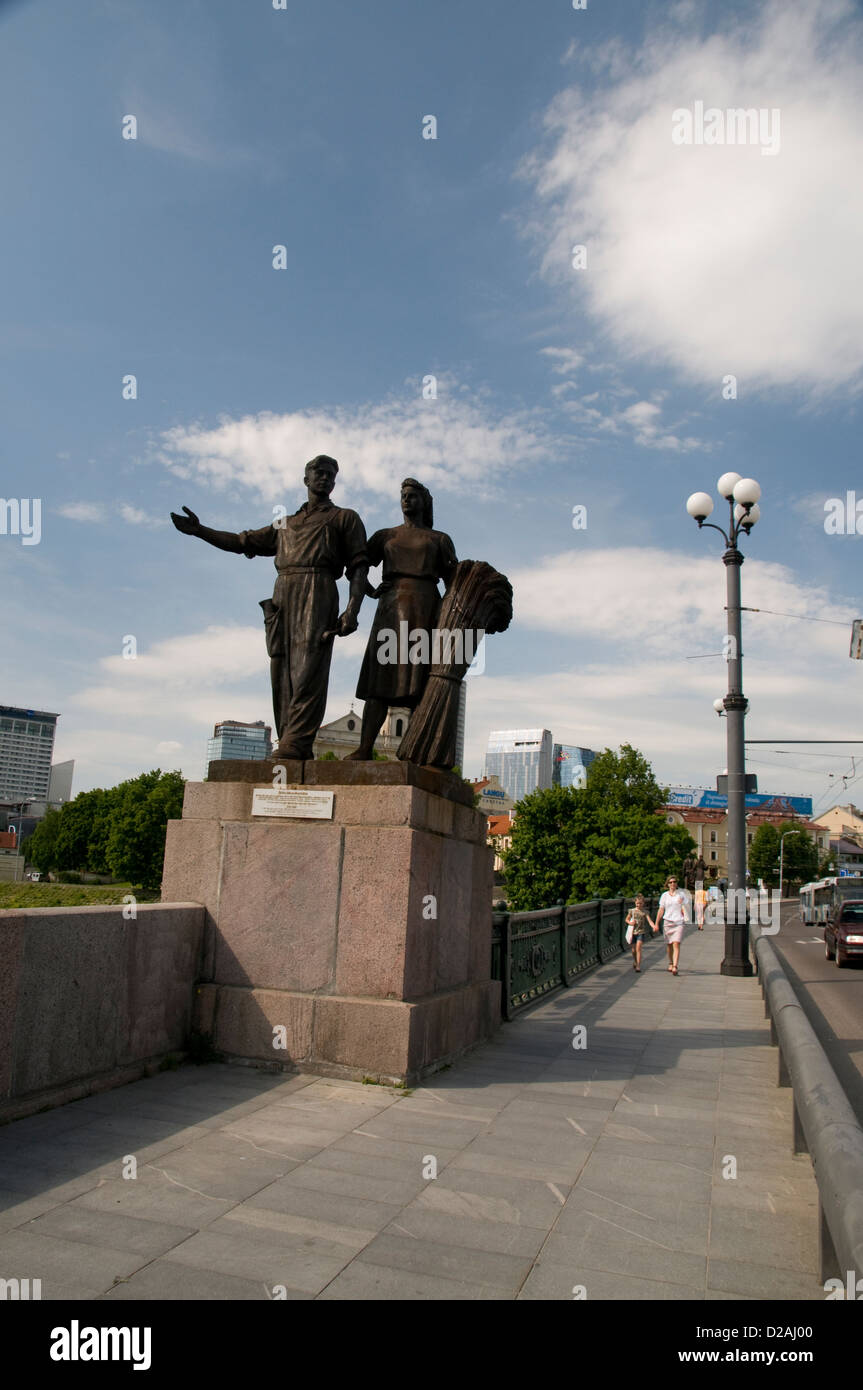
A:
x,y
742,495
782,839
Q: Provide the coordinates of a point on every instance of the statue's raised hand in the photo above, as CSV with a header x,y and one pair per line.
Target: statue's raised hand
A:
x,y
188,524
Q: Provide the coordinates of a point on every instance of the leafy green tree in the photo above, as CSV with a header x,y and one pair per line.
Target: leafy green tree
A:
x,y
800,856
538,866
629,851
77,821
136,842
41,846
764,855
624,780
604,840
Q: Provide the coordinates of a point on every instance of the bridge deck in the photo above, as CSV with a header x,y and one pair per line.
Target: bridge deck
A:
x,y
558,1168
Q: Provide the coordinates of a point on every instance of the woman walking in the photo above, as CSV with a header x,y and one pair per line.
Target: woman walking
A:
x,y
638,919
672,914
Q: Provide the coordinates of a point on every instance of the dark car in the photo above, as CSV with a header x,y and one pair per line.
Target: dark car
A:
x,y
843,933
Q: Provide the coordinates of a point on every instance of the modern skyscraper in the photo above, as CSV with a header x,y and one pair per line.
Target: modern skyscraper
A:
x,y
520,759
570,764
245,742
462,714
26,748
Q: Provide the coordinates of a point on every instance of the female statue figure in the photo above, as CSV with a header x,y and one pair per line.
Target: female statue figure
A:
x,y
414,557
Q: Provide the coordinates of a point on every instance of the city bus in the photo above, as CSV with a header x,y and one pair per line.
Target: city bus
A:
x,y
819,899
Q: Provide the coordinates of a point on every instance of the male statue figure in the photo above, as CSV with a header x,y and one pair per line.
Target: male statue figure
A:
x,y
312,549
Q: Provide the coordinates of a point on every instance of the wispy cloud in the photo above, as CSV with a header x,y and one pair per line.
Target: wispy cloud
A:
x,y
101,512
713,258
457,442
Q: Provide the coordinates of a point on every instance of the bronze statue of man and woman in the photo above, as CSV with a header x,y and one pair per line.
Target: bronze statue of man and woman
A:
x,y
312,549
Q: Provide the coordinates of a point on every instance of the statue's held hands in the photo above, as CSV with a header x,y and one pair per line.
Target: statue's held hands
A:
x,y
188,524
346,624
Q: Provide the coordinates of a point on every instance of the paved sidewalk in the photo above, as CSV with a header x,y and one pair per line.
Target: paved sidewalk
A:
x,y
556,1167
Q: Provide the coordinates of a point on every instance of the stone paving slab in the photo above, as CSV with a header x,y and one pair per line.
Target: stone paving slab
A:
x,y
529,1170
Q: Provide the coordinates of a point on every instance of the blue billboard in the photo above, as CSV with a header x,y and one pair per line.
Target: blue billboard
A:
x,y
702,799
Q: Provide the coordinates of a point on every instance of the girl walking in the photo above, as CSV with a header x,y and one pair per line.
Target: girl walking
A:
x,y
638,919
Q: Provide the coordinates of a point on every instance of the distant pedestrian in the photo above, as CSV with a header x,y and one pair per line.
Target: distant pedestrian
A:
x,y
700,904
672,914
638,919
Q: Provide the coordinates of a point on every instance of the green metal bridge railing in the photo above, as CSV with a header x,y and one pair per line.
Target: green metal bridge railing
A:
x,y
536,953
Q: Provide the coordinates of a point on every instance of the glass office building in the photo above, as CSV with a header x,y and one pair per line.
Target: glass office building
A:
x,y
244,742
570,764
521,760
26,749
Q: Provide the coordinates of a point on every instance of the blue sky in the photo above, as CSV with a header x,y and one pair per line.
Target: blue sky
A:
x,y
408,257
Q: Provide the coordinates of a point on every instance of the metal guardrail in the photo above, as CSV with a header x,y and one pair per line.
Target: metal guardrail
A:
x,y
535,953
824,1124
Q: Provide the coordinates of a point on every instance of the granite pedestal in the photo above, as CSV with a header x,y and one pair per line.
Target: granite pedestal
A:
x,y
356,946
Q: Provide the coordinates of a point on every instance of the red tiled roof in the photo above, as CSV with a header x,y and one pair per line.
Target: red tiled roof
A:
x,y
499,825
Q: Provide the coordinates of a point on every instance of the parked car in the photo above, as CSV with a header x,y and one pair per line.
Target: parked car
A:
x,y
843,932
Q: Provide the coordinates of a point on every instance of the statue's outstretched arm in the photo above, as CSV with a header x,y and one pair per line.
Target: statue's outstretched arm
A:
x,y
189,525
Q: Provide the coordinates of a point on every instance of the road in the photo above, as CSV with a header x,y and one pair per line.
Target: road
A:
x,y
831,998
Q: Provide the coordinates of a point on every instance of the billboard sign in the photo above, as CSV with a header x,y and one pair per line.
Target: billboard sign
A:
x,y
703,799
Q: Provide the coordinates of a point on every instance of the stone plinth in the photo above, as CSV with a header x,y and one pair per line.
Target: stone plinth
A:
x,y
363,943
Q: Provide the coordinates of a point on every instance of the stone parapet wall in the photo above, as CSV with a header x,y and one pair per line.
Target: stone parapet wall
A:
x,y
89,999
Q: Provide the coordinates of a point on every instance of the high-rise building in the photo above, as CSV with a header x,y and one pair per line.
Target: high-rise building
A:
x,y
245,742
459,738
570,764
60,785
26,748
520,759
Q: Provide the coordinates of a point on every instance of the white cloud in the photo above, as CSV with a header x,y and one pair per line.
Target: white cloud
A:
x,y
623,623
716,259
101,512
452,443
665,601
135,517
564,361
83,511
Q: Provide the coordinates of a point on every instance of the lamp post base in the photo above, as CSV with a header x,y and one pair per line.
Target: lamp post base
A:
x,y
736,960
736,967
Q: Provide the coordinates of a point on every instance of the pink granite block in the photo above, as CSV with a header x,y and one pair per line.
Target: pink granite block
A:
x,y
164,946
454,911
482,878
13,928
371,1035
379,806
278,905
374,911
248,1022
470,824
426,891
218,800
191,871
433,813
204,1008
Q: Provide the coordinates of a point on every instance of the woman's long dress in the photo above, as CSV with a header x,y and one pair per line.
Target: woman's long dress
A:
x,y
414,559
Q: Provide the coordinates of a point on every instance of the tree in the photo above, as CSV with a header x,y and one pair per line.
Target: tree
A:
x,y
604,840
41,846
800,856
538,866
628,852
764,855
77,823
136,842
624,780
